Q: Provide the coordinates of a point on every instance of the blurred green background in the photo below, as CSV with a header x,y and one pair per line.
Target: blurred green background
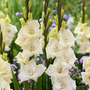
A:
x,y
72,7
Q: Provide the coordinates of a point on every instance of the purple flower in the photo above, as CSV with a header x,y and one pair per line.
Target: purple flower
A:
x,y
83,69
28,81
70,73
69,27
53,25
20,13
65,16
17,13
43,62
14,60
53,10
40,20
83,82
77,61
53,21
70,15
38,59
50,17
80,76
71,70
76,68
81,60
14,67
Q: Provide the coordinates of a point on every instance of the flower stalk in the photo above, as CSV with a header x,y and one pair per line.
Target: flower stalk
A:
x,y
27,8
59,14
83,9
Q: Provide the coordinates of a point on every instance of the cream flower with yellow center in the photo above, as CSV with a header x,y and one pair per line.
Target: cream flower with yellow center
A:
x,y
52,48
5,71
31,29
80,29
58,69
67,55
4,85
32,47
63,83
80,39
86,63
66,37
86,77
31,71
84,48
8,31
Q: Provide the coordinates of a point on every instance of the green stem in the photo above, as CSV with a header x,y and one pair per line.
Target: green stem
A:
x,y
83,16
1,41
26,85
59,14
27,1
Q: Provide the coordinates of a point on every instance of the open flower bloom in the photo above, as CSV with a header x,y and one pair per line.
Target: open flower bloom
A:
x,y
31,71
87,32
31,29
81,39
32,47
8,31
64,83
21,38
70,21
80,29
84,48
66,37
5,70
86,77
22,58
58,69
86,63
52,48
4,85
67,55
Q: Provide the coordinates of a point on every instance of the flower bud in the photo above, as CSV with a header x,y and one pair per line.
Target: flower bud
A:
x,y
29,5
22,21
7,19
24,11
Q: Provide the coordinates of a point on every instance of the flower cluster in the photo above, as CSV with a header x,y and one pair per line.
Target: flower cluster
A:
x,y
86,74
29,40
8,30
83,36
5,74
59,46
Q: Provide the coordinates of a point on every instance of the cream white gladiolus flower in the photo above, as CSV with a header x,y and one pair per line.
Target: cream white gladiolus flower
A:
x,y
80,29
87,32
86,63
32,47
67,55
22,58
57,69
5,70
4,85
31,71
31,29
8,34
81,39
64,83
52,48
66,37
86,77
85,48
21,38
70,21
